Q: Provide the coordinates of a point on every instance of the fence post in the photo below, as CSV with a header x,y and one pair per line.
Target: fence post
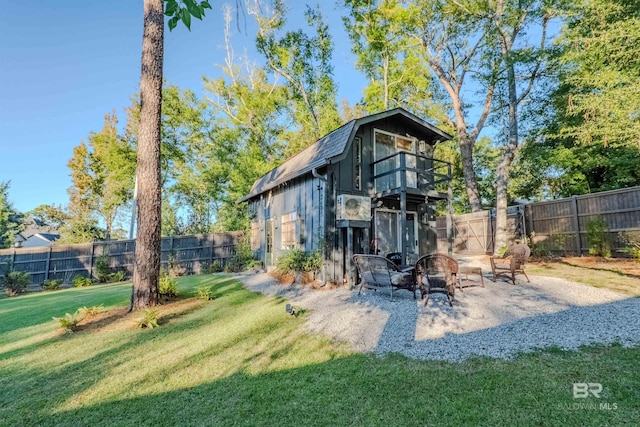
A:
x,y
46,269
576,224
213,242
93,250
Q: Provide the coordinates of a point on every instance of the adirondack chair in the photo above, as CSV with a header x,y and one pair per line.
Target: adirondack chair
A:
x,y
438,274
512,263
376,272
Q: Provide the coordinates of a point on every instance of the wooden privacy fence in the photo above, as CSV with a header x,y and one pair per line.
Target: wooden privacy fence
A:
x,y
558,226
195,253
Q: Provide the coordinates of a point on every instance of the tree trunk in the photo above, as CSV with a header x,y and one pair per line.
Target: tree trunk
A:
x,y
502,173
146,270
466,155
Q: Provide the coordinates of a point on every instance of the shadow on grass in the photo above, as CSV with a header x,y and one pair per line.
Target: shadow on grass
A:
x,y
258,367
364,390
608,270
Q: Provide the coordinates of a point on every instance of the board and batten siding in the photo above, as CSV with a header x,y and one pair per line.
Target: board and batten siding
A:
x,y
301,196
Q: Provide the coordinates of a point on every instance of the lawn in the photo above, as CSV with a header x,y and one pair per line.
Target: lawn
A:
x,y
618,274
240,359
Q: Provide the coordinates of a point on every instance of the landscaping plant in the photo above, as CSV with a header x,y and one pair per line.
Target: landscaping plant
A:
x,y
15,282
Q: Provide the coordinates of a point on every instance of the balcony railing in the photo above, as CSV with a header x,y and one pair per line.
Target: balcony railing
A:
x,y
404,171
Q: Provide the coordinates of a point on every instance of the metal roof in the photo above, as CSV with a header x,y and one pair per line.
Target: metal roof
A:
x,y
323,150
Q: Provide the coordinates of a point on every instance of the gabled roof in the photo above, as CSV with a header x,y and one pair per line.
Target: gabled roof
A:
x,y
326,148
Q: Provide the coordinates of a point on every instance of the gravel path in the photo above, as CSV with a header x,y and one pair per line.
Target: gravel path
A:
x,y
499,320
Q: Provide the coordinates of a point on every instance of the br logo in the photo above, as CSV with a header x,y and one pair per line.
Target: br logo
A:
x,y
583,390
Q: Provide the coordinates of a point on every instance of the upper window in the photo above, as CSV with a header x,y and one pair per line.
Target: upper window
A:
x,y
357,162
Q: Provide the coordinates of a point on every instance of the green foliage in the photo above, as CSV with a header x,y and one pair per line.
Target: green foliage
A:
x,y
15,282
10,219
69,321
391,62
94,310
149,319
216,267
631,242
597,231
103,268
184,10
241,257
102,177
205,293
51,215
304,61
168,286
174,268
80,281
591,128
297,260
51,284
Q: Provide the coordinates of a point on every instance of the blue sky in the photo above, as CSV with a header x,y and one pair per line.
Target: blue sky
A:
x,y
64,64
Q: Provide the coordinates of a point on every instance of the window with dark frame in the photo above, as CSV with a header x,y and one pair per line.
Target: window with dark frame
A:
x,y
357,160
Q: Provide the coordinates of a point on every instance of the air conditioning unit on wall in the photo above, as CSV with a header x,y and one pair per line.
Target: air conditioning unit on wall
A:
x,y
355,208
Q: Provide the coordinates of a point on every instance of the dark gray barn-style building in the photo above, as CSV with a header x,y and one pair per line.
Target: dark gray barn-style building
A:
x,y
367,187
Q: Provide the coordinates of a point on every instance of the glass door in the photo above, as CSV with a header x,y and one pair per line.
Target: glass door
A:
x,y
389,234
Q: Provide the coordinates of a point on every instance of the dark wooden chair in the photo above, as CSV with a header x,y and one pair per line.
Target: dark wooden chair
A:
x,y
512,263
376,272
437,274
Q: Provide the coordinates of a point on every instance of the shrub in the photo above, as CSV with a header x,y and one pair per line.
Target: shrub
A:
x,y
149,319
15,282
313,261
205,268
91,311
241,257
69,321
117,276
103,270
631,243
168,286
174,267
51,284
296,260
597,237
291,261
216,267
81,281
205,293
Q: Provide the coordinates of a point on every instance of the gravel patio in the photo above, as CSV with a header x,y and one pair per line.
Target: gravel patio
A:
x,y
499,320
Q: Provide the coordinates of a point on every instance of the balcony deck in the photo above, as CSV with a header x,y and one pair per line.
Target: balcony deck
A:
x,y
411,174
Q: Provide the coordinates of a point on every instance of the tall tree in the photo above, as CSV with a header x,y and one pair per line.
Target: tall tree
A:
x,y
521,64
393,63
102,176
250,133
51,215
10,219
591,129
146,270
304,61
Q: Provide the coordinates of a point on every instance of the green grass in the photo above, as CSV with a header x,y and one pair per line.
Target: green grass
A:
x,y
242,360
596,277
